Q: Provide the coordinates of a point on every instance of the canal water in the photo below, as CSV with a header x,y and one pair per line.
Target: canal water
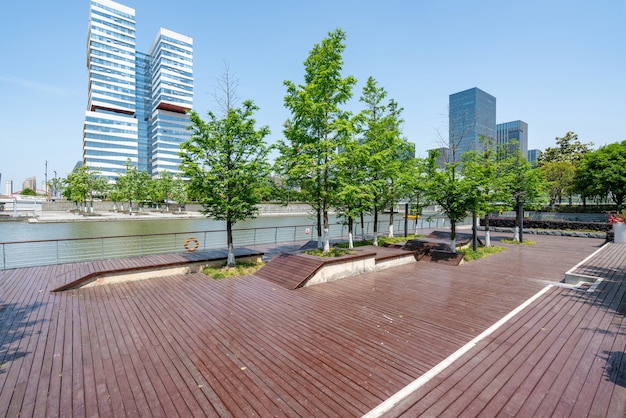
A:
x,y
16,231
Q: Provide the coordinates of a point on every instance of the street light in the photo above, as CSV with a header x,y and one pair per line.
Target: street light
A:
x,y
46,181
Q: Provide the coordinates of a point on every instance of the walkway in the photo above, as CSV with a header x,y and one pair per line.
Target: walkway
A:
x,y
191,346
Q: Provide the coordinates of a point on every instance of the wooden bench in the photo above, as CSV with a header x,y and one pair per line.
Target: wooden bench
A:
x,y
436,247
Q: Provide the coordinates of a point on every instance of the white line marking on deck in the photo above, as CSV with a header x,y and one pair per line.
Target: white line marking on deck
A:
x,y
387,405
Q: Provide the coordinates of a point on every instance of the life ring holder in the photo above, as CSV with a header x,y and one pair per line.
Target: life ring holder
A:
x,y
196,244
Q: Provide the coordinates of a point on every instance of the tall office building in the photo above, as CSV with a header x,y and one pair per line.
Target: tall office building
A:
x,y
472,115
533,156
513,135
137,102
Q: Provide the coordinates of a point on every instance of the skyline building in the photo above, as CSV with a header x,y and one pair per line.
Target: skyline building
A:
x,y
472,115
513,135
137,102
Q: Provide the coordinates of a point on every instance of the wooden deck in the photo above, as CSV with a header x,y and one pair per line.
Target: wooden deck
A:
x,y
188,345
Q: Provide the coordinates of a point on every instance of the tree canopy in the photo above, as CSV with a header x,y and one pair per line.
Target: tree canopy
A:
x,y
317,127
226,162
603,173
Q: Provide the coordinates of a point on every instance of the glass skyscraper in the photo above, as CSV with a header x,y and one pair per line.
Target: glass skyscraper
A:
x,y
137,102
472,115
513,135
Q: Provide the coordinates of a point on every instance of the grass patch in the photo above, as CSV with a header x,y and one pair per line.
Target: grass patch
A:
x,y
381,241
469,254
334,252
240,269
512,241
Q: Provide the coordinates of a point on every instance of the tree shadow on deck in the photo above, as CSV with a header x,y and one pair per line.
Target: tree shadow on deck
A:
x,y
615,370
14,326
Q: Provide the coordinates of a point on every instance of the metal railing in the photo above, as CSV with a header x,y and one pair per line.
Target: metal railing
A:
x,y
60,251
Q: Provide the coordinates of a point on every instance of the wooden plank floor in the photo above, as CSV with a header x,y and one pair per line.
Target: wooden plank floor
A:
x,y
191,346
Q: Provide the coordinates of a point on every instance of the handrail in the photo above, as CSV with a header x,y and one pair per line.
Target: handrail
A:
x,y
19,254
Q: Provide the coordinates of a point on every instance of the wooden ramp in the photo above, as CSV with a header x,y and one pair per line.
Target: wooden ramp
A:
x,y
294,270
290,271
76,278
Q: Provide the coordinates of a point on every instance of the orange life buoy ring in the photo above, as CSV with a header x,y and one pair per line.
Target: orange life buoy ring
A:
x,y
195,246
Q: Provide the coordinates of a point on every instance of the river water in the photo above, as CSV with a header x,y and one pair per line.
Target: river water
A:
x,y
25,244
15,231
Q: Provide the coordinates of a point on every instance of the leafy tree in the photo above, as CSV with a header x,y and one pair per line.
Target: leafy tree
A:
x,y
161,190
353,195
481,169
225,161
179,192
55,185
569,149
559,176
133,186
449,189
525,186
415,184
28,192
81,183
316,126
388,155
603,172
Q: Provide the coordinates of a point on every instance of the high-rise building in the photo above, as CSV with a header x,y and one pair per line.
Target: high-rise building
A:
x,y
137,102
513,135
472,115
533,156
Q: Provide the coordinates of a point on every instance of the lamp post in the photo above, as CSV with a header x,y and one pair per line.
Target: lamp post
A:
x,y
55,183
46,180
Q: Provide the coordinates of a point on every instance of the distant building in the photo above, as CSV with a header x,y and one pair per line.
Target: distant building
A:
x,y
8,187
533,156
442,156
137,102
472,115
30,183
513,135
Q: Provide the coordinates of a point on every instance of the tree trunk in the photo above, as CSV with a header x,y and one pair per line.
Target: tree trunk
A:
x,y
319,230
376,226
391,222
453,236
362,227
487,235
350,228
326,241
230,261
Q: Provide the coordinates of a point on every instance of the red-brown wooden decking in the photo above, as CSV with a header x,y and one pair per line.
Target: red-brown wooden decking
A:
x,y
191,346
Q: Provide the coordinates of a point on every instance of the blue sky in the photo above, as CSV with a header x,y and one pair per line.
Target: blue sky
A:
x,y
557,65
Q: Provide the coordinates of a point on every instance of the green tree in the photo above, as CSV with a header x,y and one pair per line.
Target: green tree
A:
x,y
559,177
133,186
161,190
482,169
179,193
82,183
225,159
525,186
449,189
388,155
603,173
315,128
353,195
55,185
415,185
28,192
569,149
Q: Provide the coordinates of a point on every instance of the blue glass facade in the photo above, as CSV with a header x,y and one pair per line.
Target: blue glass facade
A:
x,y
136,101
513,135
472,115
